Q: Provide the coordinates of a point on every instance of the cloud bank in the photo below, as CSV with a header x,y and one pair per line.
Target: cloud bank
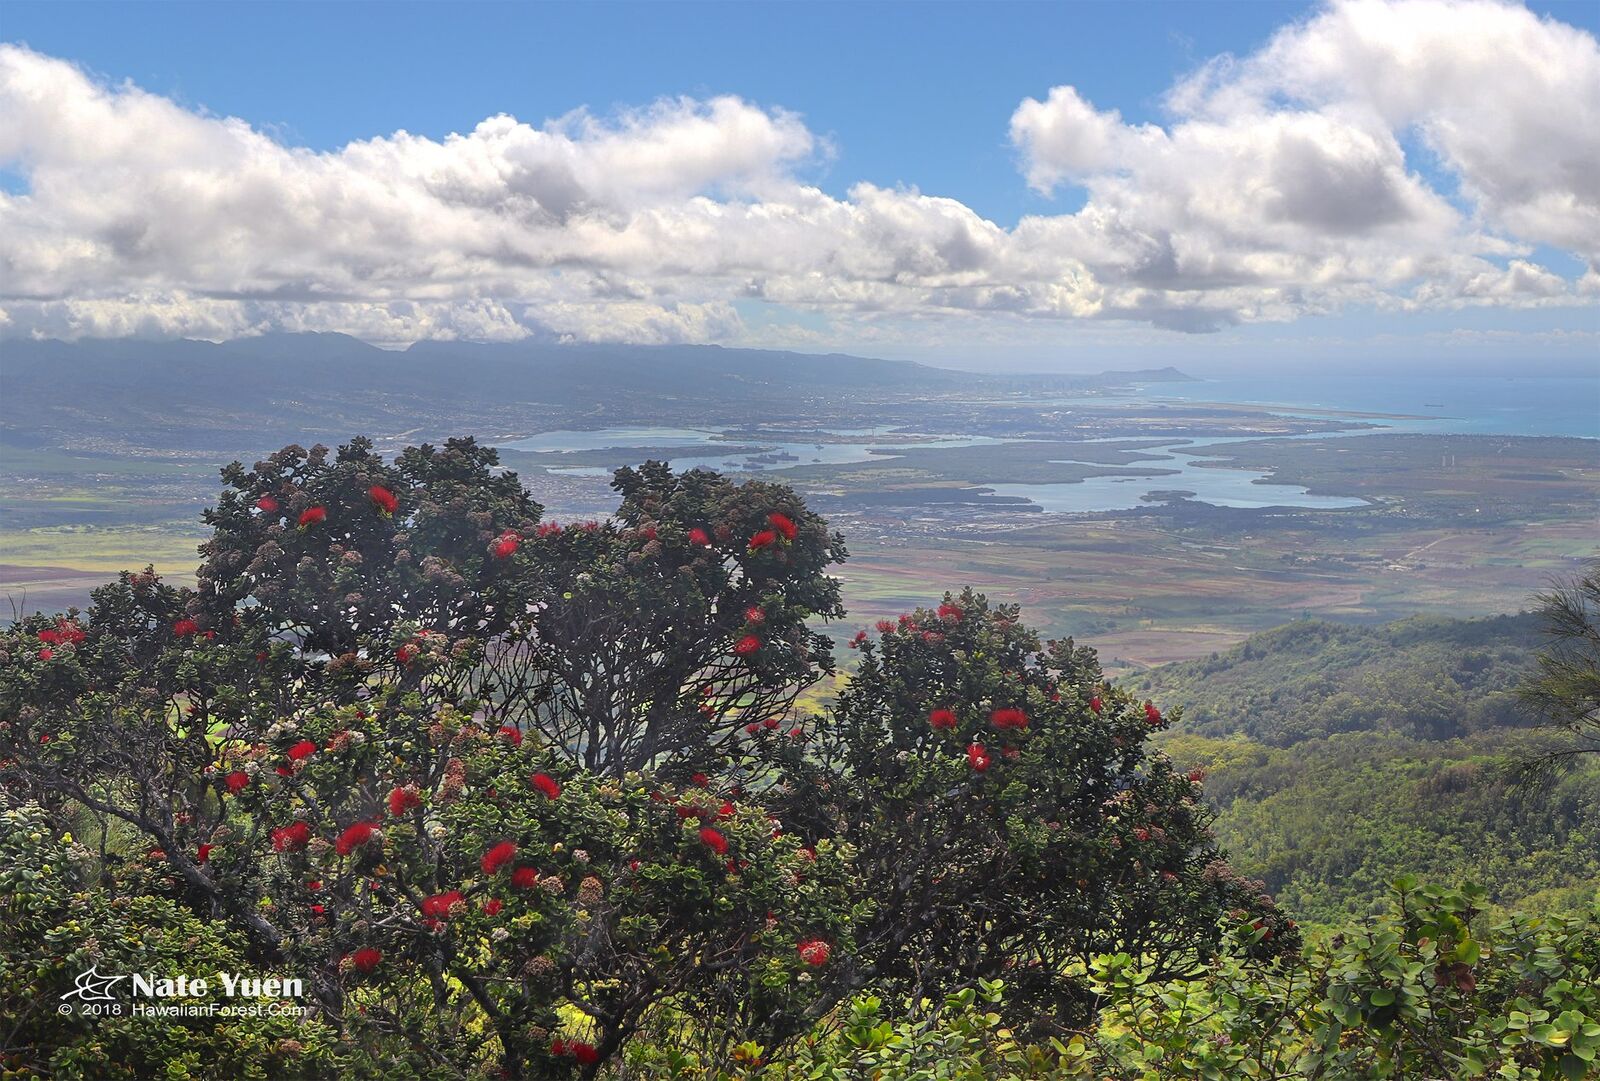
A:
x,y
1403,154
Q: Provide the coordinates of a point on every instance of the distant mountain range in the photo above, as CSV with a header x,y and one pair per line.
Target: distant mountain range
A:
x,y
306,385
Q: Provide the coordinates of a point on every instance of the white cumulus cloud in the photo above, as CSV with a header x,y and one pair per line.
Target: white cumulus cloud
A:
x,y
1279,184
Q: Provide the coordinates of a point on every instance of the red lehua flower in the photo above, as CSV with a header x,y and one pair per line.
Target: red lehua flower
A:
x,y
1151,713
1141,834
814,951
49,636
402,800
511,735
714,840
770,722
1196,776
762,539
46,653
354,837
1009,718
267,504
304,749
506,546
317,910
283,771
797,733
405,652
699,537
977,757
185,627
525,878
752,729
1095,704
859,640
546,784
783,524
384,499
314,885
202,854
950,613
439,905
885,626
547,529
585,1053
726,810
942,718
747,645
492,907
558,1047
366,959
291,838
754,614
313,516
498,856
237,781
700,780
648,532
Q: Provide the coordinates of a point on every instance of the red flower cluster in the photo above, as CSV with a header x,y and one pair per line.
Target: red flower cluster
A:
x,y
304,749
714,840
498,856
747,645
950,613
814,951
506,546
492,907
859,640
1151,713
402,800
762,539
405,652
267,505
546,784
366,959
313,516
1009,718
942,718
511,735
700,537
354,837
184,628
525,878
291,838
64,633
384,498
584,1053
1095,704
439,905
783,524
547,529
237,781
977,757
202,854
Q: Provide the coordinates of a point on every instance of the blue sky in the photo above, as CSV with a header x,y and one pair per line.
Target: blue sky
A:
x,y
901,95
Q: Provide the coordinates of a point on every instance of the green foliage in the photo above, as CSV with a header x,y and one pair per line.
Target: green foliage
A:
x,y
1424,677
1327,824
54,924
1565,691
1009,816
1430,989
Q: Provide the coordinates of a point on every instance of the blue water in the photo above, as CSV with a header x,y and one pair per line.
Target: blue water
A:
x,y
1468,405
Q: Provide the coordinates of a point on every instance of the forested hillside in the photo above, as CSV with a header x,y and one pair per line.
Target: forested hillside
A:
x,y
1339,757
1425,677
